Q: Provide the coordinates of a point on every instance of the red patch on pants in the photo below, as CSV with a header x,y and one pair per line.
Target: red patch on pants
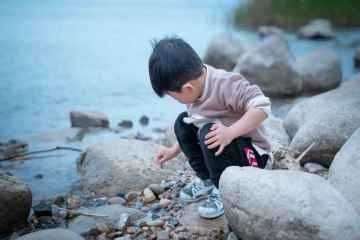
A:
x,y
250,155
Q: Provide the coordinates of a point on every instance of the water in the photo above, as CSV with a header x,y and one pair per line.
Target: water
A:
x,y
57,56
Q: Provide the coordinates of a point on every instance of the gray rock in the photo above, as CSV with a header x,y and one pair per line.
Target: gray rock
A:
x,y
277,134
88,119
357,58
144,120
314,167
122,165
149,196
320,70
223,52
344,170
15,203
284,204
53,234
126,124
266,31
327,120
317,29
84,224
270,65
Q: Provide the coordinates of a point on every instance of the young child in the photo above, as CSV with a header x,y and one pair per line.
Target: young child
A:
x,y
222,125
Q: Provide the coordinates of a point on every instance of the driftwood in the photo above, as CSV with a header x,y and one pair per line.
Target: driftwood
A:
x,y
22,154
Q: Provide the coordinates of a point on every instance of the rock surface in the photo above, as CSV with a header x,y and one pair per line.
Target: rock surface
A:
x,y
270,65
15,203
320,70
317,29
283,204
266,31
121,166
345,169
88,119
327,120
53,234
223,52
83,224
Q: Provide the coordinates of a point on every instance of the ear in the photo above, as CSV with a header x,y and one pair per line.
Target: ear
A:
x,y
187,87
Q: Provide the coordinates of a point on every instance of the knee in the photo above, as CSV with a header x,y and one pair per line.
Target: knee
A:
x,y
179,123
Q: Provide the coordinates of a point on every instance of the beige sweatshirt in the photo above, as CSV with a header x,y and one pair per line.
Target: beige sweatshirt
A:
x,y
226,97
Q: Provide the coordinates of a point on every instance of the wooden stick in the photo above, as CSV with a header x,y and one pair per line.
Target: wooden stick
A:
x,y
298,159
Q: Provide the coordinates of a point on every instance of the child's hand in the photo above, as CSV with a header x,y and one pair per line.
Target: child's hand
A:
x,y
219,136
165,154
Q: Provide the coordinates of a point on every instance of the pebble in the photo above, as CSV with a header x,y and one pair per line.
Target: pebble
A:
x,y
314,167
102,227
117,200
101,237
157,188
126,124
131,230
155,223
131,196
73,202
43,209
123,222
39,176
164,202
126,237
144,120
149,196
163,235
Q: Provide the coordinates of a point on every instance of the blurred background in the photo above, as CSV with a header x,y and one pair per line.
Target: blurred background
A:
x,y
61,55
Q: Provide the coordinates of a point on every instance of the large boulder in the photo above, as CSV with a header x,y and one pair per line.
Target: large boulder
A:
x,y
320,70
270,65
357,58
284,204
15,203
53,234
317,29
223,51
327,120
88,119
345,169
267,31
122,165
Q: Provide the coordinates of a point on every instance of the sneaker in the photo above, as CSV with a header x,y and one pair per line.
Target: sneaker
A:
x,y
196,190
213,207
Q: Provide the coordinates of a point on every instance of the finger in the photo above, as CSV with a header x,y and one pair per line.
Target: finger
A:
x,y
214,126
210,134
211,140
214,145
220,150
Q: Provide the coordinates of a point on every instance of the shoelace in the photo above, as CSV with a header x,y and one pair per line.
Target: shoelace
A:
x,y
213,199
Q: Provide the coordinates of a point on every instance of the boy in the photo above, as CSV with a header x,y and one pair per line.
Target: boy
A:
x,y
222,125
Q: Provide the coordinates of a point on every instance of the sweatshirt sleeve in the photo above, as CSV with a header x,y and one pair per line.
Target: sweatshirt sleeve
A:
x,y
239,95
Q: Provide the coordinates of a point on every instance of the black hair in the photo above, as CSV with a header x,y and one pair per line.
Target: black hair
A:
x,y
173,63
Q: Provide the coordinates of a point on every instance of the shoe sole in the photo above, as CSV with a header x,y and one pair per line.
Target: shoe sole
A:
x,y
194,200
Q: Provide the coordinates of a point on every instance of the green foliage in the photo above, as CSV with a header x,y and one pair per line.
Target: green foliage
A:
x,y
294,13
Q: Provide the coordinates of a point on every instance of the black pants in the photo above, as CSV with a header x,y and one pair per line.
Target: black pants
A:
x,y
240,152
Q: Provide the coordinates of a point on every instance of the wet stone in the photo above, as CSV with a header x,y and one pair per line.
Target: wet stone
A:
x,y
43,209
144,120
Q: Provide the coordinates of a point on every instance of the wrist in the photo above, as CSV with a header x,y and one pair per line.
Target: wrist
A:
x,y
231,133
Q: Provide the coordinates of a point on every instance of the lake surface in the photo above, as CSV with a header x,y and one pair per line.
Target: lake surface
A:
x,y
57,56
